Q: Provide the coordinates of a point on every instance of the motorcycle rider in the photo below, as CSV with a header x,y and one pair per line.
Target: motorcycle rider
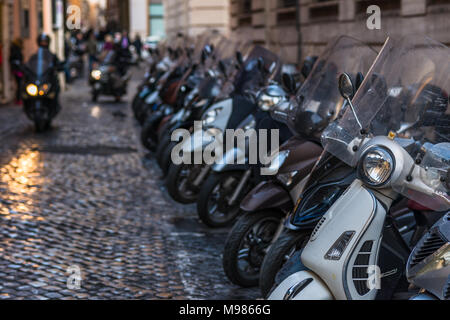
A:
x,y
43,41
118,59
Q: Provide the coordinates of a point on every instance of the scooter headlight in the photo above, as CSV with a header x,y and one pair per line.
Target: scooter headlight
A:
x,y
32,90
266,102
211,116
96,74
376,166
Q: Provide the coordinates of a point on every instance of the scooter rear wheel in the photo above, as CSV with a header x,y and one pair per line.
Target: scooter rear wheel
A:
x,y
246,245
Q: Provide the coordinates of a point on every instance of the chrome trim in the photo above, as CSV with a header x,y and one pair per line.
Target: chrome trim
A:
x,y
296,288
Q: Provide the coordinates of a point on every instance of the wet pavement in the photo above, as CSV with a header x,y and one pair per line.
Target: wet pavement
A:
x,y
84,215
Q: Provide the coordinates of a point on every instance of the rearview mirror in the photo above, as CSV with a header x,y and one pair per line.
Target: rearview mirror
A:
x,y
260,64
289,82
222,67
308,65
204,56
239,58
359,80
346,86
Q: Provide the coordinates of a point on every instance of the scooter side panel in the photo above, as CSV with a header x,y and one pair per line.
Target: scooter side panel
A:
x,y
353,212
266,195
303,285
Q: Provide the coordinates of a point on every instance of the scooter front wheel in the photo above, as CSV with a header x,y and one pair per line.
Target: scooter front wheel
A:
x,y
277,255
149,137
213,205
95,95
177,183
246,246
41,125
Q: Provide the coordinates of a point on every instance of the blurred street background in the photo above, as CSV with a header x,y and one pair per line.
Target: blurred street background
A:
x,y
85,194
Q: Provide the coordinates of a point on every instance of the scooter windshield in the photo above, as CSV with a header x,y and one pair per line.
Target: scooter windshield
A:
x,y
40,62
253,75
405,94
318,101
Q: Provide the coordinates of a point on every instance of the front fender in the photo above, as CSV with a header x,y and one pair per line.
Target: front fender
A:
x,y
266,195
303,285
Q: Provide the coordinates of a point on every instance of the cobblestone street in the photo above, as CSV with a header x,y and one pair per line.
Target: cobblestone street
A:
x,y
86,195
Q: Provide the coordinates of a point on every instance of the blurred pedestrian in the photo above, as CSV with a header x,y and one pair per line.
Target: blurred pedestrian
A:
x,y
125,40
92,50
107,46
137,43
15,59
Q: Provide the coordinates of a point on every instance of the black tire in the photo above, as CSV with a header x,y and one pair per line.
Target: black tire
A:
x,y
41,125
167,158
144,114
175,180
163,143
135,103
212,204
277,255
149,135
138,106
165,130
234,247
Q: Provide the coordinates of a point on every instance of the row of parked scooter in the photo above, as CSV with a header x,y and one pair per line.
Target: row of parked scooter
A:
x,y
353,204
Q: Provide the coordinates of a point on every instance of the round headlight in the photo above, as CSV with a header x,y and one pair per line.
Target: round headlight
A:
x,y
96,74
266,102
32,90
211,116
377,166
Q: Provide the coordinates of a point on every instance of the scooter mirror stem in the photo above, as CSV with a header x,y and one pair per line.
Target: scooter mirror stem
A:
x,y
354,113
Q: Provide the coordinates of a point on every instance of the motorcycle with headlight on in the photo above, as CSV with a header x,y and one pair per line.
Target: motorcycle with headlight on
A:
x,y
395,133
105,79
184,179
266,208
40,89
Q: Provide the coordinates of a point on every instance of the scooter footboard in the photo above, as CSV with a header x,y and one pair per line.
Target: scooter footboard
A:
x,y
303,285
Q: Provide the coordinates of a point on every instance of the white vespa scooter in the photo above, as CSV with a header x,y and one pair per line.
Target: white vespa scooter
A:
x,y
396,133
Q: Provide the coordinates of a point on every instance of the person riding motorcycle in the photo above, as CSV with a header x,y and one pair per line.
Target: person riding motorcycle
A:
x,y
41,87
43,42
111,76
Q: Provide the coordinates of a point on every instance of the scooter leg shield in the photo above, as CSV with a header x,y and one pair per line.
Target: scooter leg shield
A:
x,y
303,285
266,195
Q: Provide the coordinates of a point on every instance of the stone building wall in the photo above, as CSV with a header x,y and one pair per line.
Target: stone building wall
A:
x,y
194,16
275,23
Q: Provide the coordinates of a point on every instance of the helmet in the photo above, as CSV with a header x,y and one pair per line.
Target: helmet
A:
x,y
43,40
